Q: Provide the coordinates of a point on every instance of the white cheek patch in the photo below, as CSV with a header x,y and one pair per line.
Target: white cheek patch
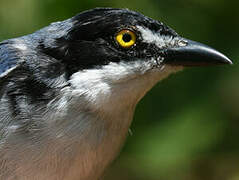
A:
x,y
96,83
110,74
160,41
105,85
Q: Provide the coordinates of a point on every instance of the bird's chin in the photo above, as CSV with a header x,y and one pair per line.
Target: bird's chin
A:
x,y
169,68
162,68
165,70
174,69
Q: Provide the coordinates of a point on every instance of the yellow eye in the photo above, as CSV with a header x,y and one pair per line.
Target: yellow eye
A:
x,y
126,38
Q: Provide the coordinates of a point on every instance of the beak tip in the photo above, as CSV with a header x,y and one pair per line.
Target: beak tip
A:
x,y
229,62
225,60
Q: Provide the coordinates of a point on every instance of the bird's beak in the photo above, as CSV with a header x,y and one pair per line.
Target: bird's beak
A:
x,y
192,53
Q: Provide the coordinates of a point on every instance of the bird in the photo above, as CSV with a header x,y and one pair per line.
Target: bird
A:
x,y
68,91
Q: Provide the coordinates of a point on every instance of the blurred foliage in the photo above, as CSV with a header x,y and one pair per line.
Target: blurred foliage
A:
x,y
186,128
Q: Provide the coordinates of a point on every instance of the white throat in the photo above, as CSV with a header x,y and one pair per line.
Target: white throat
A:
x,y
117,85
96,111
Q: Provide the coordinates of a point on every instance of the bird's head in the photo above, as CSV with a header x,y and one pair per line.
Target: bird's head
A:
x,y
106,48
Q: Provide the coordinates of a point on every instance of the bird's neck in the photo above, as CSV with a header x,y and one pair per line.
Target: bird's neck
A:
x,y
93,117
90,138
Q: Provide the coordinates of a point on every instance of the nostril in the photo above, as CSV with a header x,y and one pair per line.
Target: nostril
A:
x,y
182,43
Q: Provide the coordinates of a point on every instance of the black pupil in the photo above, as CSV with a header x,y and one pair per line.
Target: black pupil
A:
x,y
127,37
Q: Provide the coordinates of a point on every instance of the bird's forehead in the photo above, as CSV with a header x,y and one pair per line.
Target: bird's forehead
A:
x,y
118,18
109,13
160,40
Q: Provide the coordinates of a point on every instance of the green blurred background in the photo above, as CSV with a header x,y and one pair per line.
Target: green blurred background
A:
x,y
186,128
